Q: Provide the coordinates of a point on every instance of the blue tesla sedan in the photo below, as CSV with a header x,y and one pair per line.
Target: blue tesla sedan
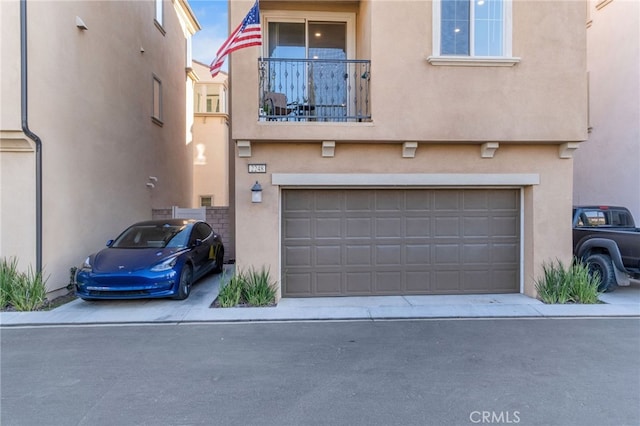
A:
x,y
156,258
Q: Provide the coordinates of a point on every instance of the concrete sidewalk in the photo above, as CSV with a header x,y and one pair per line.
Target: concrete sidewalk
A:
x,y
624,302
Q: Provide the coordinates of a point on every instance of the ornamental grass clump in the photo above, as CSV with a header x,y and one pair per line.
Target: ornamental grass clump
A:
x,y
8,273
248,288
231,293
259,290
585,285
23,291
573,284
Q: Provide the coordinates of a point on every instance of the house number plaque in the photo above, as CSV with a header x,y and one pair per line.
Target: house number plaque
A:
x,y
257,168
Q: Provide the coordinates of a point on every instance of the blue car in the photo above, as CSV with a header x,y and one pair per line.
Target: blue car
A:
x,y
156,258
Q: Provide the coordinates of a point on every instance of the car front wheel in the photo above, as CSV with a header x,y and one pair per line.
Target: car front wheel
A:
x,y
184,286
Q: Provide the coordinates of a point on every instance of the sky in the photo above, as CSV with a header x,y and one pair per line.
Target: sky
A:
x,y
213,18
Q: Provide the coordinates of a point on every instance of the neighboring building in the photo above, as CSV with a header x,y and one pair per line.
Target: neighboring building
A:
x,y
211,139
397,157
606,167
108,86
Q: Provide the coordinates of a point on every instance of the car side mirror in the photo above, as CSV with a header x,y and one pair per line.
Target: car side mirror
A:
x,y
198,242
109,243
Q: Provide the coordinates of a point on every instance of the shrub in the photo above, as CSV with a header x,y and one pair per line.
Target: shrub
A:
x,y
574,284
231,293
23,291
253,288
8,273
258,289
585,285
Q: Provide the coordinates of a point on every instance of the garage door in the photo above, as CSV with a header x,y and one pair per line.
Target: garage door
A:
x,y
348,242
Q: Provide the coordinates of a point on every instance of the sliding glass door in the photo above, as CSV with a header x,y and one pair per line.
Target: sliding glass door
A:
x,y
306,64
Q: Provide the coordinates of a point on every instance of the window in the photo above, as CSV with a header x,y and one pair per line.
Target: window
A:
x,y
309,52
157,101
189,52
202,231
472,31
159,16
592,218
210,98
159,12
213,103
471,28
620,218
206,200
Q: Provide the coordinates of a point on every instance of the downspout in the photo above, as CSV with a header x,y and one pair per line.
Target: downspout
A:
x,y
29,133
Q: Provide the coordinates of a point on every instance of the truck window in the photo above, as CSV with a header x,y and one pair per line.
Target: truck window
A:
x,y
593,218
620,218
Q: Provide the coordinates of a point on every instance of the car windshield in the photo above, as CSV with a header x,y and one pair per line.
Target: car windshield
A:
x,y
153,236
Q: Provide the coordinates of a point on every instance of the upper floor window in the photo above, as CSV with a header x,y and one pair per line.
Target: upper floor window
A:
x,y
159,15
159,12
156,115
189,52
213,103
210,98
308,67
472,29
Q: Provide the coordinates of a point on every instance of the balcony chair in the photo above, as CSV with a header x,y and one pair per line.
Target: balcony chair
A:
x,y
277,106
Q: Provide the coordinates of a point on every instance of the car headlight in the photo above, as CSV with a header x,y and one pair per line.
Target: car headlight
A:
x,y
165,265
86,265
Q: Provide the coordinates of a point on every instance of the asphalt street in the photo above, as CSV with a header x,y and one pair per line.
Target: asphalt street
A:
x,y
426,372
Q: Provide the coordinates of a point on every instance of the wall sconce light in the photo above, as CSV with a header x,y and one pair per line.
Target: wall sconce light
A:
x,y
256,193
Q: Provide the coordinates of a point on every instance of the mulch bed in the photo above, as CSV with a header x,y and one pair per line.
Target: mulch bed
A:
x,y
216,304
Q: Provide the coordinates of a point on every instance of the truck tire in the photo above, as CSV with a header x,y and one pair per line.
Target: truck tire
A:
x,y
601,264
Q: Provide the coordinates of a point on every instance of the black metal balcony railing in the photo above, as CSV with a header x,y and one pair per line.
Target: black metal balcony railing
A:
x,y
314,90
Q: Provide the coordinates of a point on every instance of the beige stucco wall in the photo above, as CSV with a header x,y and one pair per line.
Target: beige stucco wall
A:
x,y
606,166
546,210
17,201
541,98
16,151
532,109
211,174
90,101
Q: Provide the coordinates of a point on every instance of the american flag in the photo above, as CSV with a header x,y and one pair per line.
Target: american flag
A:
x,y
247,34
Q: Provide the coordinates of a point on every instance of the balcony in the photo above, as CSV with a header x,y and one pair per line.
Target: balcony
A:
x,y
314,90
